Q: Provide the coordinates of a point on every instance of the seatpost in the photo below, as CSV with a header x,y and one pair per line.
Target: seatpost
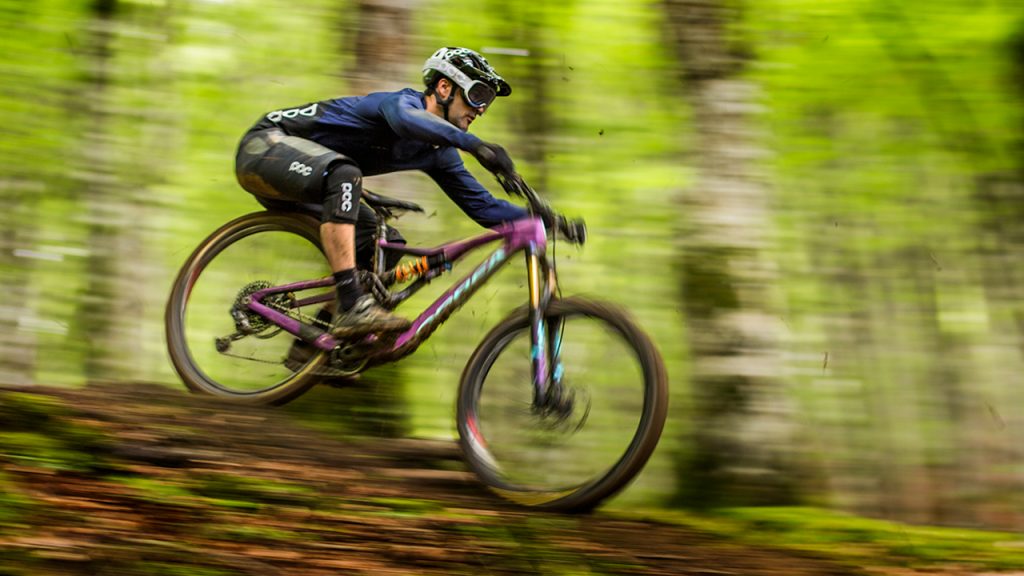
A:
x,y
379,261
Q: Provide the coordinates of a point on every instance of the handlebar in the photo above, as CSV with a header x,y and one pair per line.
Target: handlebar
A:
x,y
574,230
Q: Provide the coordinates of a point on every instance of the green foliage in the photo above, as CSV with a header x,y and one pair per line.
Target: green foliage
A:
x,y
14,562
182,568
36,431
406,507
249,492
250,533
244,493
857,541
12,503
160,491
39,450
372,406
883,121
20,411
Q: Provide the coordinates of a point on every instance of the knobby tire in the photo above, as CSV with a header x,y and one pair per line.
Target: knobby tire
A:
x,y
192,374
621,471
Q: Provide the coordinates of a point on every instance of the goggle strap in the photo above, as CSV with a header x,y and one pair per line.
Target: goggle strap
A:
x,y
446,68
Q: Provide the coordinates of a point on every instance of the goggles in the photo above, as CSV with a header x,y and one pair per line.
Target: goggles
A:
x,y
477,94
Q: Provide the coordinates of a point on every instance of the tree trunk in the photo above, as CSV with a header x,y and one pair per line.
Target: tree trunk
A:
x,y
534,117
975,447
380,40
382,32
120,161
17,333
741,449
102,191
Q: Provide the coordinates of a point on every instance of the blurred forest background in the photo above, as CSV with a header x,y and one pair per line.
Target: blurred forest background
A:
x,y
815,208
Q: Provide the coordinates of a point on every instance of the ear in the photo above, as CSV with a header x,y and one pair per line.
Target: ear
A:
x,y
444,88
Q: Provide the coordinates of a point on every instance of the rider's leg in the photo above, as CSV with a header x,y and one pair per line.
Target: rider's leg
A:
x,y
337,232
286,169
339,241
358,313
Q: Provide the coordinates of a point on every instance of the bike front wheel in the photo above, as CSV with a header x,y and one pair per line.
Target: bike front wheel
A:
x,y
573,460
207,349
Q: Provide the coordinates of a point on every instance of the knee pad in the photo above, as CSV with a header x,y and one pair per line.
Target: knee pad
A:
x,y
343,187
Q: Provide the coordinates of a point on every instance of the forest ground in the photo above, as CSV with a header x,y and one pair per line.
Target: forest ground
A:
x,y
123,479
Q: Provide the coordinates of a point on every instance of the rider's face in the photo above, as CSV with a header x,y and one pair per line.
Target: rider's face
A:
x,y
460,113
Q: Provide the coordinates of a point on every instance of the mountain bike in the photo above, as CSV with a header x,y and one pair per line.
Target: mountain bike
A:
x,y
558,408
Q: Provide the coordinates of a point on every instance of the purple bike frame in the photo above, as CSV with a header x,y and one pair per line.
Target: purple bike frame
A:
x,y
527,234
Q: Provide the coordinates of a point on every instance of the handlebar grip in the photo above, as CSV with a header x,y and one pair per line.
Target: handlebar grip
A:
x,y
485,154
574,230
511,184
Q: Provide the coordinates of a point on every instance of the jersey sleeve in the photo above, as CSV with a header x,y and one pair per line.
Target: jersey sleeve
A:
x,y
469,195
409,121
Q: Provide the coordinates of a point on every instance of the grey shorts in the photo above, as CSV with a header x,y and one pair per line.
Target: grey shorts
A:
x,y
275,166
272,167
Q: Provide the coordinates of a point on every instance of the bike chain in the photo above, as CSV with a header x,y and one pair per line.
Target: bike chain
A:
x,y
321,371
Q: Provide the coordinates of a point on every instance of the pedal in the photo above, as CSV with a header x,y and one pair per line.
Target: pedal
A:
x,y
350,358
346,360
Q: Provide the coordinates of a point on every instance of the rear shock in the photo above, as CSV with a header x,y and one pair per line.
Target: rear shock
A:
x,y
414,268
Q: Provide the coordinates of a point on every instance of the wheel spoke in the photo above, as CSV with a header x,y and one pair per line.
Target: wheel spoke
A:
x,y
567,454
217,344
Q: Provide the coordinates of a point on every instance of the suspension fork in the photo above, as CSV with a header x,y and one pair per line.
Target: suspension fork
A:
x,y
545,333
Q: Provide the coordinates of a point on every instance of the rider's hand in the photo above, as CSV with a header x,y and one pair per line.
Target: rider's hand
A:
x,y
495,159
574,230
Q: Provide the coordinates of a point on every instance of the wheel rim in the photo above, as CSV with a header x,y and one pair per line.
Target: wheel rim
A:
x,y
254,365
533,459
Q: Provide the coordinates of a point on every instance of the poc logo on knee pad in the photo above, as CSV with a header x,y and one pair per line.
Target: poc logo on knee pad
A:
x,y
342,201
300,168
346,196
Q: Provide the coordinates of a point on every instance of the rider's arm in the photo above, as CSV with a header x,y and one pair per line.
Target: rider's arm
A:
x,y
469,195
404,115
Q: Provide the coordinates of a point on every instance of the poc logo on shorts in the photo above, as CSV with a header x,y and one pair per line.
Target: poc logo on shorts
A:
x,y
301,168
278,115
346,196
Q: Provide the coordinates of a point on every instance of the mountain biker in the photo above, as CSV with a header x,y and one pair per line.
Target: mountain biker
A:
x,y
315,155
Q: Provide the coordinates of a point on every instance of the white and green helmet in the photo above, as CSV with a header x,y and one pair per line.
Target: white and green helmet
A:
x,y
469,70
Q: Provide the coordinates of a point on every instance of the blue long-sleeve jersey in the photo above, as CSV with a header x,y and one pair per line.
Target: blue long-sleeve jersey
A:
x,y
392,131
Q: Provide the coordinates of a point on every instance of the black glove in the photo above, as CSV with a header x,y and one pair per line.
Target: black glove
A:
x,y
495,159
574,230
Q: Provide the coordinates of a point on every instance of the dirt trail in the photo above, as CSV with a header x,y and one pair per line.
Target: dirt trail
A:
x,y
176,484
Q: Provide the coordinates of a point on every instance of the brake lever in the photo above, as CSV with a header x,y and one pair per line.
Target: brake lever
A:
x,y
513,185
574,230
579,231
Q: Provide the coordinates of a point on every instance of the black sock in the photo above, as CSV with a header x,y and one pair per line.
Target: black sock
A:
x,y
324,316
348,287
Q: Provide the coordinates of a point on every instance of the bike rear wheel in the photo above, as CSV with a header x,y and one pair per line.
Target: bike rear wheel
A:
x,y
569,462
251,252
